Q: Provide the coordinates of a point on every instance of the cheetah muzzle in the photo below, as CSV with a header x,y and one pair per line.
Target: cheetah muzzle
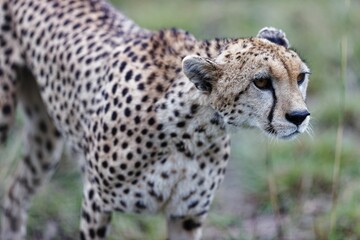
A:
x,y
147,113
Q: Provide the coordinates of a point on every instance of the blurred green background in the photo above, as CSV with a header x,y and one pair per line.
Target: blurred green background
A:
x,y
308,188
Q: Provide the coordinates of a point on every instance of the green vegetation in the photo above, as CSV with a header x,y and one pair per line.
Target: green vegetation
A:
x,y
304,189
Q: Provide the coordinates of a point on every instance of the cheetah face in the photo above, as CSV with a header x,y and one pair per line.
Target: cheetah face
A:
x,y
256,82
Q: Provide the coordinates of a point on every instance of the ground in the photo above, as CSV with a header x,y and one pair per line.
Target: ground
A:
x,y
271,187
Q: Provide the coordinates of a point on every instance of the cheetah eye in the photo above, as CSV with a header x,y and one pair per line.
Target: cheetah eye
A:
x,y
301,77
263,83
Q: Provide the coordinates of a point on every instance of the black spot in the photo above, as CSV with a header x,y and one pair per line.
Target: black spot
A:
x,y
124,145
114,88
137,120
128,75
161,136
176,113
92,233
151,78
149,144
123,166
86,216
193,204
194,108
112,170
141,86
215,119
180,146
42,126
106,148
91,194
140,205
129,133
48,146
120,177
114,156
186,136
5,28
122,127
125,91
129,99
159,88
114,131
180,124
151,121
101,232
190,225
82,235
137,77
127,112
137,164
57,133
129,156
104,164
114,116
145,98
164,175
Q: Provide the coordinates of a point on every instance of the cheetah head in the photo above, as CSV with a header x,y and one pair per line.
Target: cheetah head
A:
x,y
255,82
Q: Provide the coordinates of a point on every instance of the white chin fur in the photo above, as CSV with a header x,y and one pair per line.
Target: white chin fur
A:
x,y
292,132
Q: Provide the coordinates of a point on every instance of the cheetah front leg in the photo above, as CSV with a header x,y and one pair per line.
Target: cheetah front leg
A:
x,y
42,151
94,223
7,102
185,228
10,59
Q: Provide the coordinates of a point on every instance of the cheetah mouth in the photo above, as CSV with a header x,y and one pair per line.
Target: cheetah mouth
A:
x,y
290,136
280,134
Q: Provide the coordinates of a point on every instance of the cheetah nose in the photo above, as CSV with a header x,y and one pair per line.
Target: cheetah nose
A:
x,y
297,117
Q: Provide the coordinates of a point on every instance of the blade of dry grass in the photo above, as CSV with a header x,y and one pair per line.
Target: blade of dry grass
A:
x,y
340,129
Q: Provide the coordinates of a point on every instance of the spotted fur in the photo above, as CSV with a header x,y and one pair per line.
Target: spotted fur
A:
x,y
147,113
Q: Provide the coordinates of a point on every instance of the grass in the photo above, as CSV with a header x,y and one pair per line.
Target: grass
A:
x,y
294,179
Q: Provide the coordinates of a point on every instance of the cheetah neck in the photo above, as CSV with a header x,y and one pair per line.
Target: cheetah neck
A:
x,y
189,120
186,114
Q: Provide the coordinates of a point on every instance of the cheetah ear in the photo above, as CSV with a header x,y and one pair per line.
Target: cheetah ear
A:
x,y
202,72
274,35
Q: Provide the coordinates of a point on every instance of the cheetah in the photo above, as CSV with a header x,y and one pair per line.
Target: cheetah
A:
x,y
148,114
